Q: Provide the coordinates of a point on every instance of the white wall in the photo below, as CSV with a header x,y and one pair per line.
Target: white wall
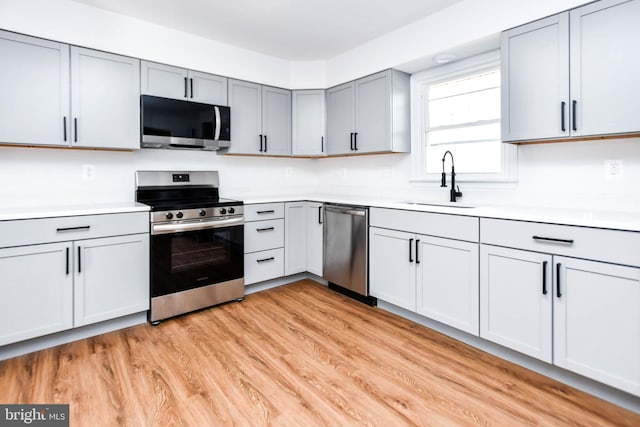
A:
x,y
461,24
70,22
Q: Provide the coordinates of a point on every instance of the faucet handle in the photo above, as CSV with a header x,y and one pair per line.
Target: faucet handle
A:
x,y
443,181
458,192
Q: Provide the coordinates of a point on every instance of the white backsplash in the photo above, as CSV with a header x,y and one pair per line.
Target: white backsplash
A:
x,y
559,175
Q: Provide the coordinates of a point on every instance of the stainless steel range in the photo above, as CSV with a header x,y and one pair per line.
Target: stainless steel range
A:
x,y
197,242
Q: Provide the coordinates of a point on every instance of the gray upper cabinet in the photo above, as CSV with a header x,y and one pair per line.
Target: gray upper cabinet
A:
x,y
34,82
572,74
605,67
105,106
276,121
261,119
179,83
369,115
535,80
308,117
58,95
341,118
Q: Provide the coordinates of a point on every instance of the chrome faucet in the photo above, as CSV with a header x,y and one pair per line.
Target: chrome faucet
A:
x,y
453,193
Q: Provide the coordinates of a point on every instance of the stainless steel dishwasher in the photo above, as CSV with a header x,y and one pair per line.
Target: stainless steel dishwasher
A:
x,y
346,251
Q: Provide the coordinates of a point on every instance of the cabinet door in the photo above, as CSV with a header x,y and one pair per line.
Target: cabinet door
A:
x,y
111,277
34,82
207,88
245,100
340,119
597,321
447,282
105,106
308,118
392,267
314,238
535,80
295,238
36,287
276,121
373,113
164,80
605,67
516,300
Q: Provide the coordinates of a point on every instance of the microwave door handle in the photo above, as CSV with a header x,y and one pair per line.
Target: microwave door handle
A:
x,y
216,111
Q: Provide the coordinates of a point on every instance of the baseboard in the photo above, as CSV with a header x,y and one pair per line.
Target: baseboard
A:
x,y
64,337
280,281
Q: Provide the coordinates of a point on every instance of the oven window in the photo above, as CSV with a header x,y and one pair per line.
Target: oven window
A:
x,y
183,261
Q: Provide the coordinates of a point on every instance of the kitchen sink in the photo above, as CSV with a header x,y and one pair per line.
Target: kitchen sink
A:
x,y
440,204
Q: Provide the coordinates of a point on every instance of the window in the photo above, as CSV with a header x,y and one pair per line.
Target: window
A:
x,y
456,107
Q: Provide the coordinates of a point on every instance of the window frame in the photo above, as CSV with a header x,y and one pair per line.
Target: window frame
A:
x,y
472,65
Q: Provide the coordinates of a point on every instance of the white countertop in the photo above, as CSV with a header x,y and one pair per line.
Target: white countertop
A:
x,y
32,212
617,220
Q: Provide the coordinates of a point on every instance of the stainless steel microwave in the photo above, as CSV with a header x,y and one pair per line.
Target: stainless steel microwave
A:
x,y
173,123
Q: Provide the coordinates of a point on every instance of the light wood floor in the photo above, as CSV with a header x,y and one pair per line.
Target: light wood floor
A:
x,y
299,355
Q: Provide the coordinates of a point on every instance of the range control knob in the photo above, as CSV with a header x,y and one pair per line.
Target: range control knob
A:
x,y
169,215
203,212
223,211
232,210
179,215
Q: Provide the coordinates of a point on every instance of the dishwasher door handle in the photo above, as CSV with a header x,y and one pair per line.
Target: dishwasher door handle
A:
x,y
347,211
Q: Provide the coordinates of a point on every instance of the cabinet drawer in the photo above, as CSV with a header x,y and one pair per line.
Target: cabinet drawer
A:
x,y
620,247
457,227
61,229
261,211
262,235
263,265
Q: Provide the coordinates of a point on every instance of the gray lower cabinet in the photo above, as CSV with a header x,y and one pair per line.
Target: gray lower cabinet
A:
x,y
78,279
369,115
572,74
179,83
60,95
426,263
263,242
37,291
261,122
109,280
566,295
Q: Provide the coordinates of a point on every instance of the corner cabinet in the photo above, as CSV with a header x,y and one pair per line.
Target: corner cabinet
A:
x,y
429,265
78,279
303,237
262,119
77,97
308,128
562,295
369,115
572,74
179,83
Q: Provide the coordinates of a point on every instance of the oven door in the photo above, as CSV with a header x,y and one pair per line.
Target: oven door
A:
x,y
190,259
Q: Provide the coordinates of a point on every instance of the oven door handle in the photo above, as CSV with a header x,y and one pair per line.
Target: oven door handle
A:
x,y
193,226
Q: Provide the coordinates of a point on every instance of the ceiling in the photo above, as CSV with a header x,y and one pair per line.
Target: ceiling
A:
x,y
297,30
